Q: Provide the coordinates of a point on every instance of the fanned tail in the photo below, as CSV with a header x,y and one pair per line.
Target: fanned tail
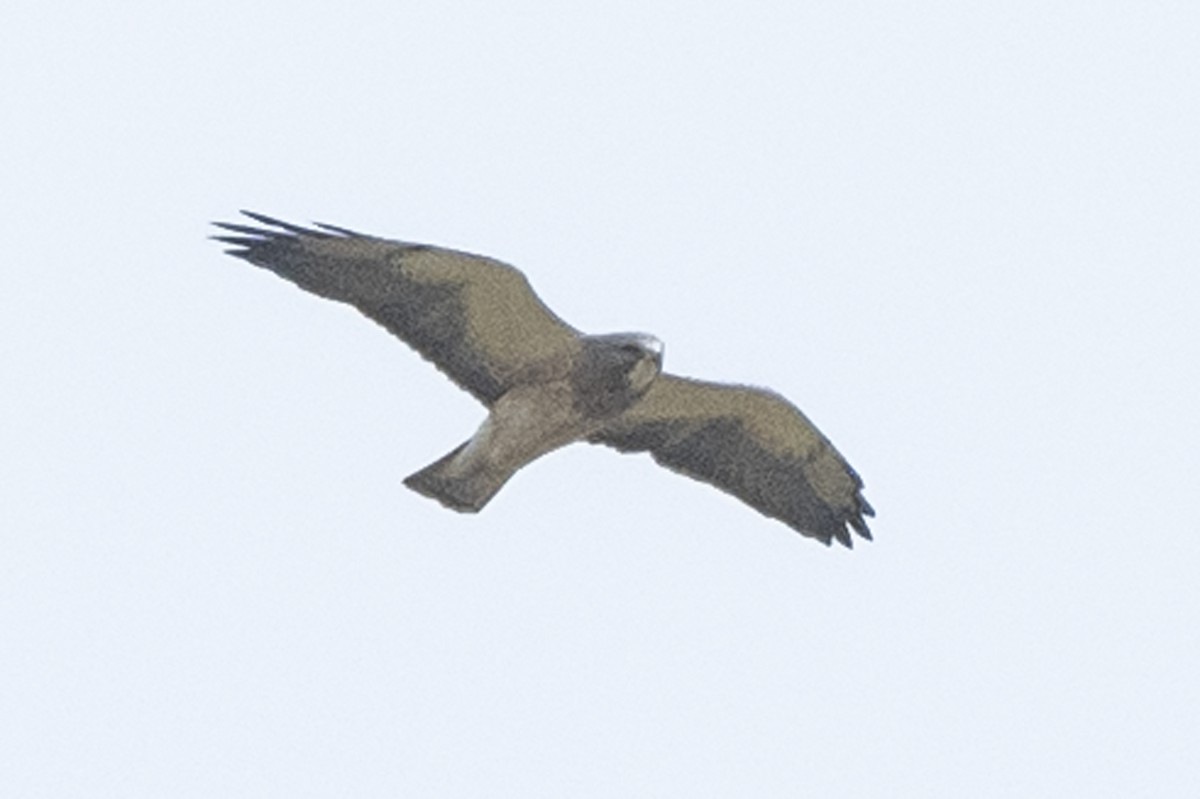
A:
x,y
465,488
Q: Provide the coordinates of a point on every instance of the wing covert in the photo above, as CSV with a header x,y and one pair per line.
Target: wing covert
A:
x,y
751,443
475,318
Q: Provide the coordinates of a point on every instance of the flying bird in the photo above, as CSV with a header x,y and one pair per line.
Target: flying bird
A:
x,y
546,385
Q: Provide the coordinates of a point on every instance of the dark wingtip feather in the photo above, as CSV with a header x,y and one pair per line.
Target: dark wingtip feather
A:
x,y
253,244
341,231
272,222
860,527
242,246
319,229
257,232
237,241
252,239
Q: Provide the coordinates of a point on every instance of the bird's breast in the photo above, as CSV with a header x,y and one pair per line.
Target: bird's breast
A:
x,y
528,422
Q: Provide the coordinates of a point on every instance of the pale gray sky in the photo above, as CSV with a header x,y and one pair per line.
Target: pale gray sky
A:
x,y
962,237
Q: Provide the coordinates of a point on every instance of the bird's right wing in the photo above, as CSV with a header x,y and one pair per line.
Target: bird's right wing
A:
x,y
751,443
475,318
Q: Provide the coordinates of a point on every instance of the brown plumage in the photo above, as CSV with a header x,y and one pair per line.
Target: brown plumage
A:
x,y
546,385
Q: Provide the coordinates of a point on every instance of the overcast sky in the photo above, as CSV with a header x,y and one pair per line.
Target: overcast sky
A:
x,y
963,237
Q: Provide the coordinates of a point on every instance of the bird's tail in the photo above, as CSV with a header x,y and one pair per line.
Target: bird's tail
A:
x,y
458,483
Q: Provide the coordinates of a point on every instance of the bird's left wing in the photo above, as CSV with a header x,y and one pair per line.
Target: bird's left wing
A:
x,y
475,318
751,443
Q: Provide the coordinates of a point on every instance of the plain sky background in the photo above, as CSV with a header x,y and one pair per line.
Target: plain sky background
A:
x,y
963,237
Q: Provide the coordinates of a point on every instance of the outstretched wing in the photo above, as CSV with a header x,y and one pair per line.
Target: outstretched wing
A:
x,y
475,318
749,442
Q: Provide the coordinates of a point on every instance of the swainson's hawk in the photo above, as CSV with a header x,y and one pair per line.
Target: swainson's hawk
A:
x,y
546,385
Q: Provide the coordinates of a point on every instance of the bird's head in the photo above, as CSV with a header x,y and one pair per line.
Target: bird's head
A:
x,y
617,369
644,354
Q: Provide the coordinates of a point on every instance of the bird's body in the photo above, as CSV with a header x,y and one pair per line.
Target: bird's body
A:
x,y
553,409
546,385
524,424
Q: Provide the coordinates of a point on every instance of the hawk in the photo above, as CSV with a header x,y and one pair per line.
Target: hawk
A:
x,y
546,385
